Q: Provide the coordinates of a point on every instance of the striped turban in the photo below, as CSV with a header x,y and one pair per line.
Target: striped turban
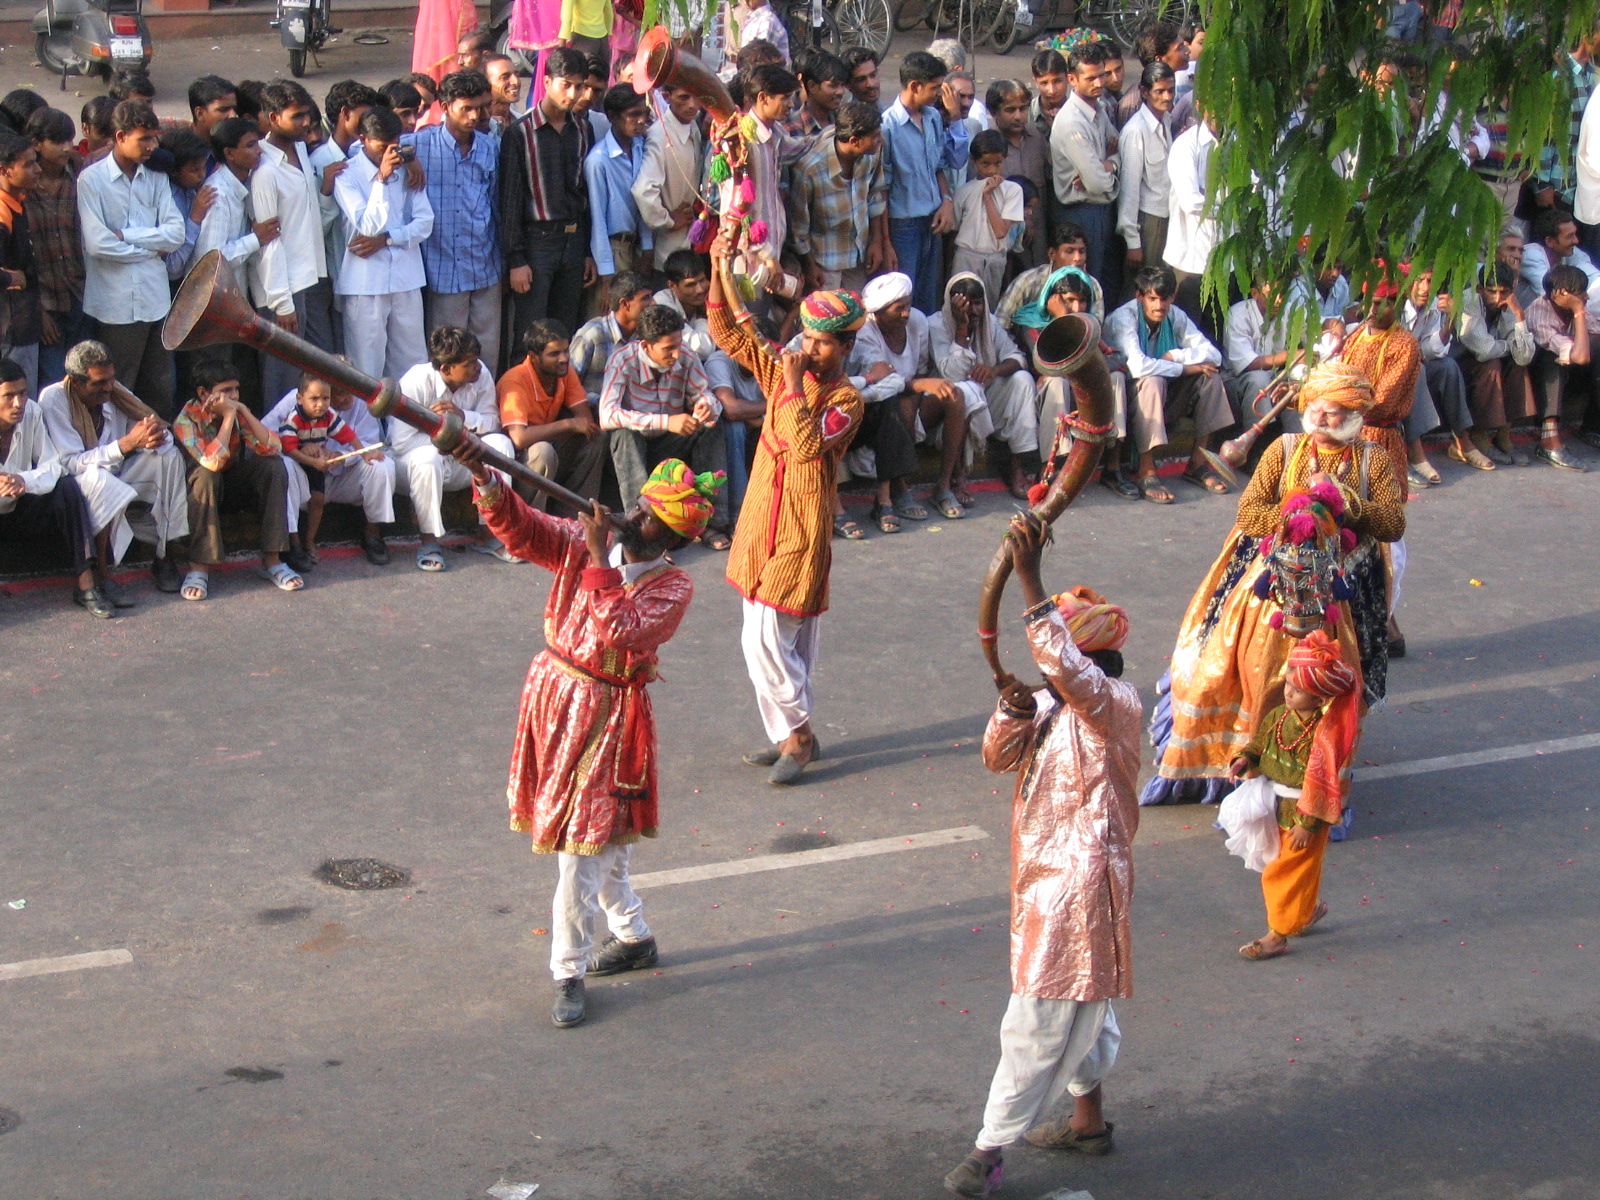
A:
x,y
832,312
1093,623
1317,666
1338,383
682,500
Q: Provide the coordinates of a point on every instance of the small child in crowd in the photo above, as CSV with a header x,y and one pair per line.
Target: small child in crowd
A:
x,y
305,437
989,208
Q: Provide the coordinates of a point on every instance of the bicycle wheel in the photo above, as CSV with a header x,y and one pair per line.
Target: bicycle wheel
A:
x,y
810,25
1006,30
865,23
1130,18
908,14
985,17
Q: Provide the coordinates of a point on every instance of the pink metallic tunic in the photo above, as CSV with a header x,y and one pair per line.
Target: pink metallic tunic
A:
x,y
583,770
1074,815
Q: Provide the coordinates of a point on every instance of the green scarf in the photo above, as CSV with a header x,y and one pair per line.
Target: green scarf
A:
x,y
1156,344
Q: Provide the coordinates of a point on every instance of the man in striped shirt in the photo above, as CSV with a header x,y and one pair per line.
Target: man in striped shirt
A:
x,y
656,403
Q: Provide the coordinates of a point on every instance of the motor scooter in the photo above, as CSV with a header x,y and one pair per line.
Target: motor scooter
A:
x,y
303,26
91,37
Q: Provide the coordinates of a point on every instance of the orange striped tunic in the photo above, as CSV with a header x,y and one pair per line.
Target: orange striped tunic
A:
x,y
782,546
1392,360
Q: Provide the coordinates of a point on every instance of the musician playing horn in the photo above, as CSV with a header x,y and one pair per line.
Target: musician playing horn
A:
x,y
1232,646
583,768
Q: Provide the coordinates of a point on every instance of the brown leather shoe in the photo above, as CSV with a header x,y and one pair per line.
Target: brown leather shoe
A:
x,y
1059,1135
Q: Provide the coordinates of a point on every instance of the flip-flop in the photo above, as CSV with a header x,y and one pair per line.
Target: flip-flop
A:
x,y
964,494
1207,480
1150,483
430,557
887,520
196,581
715,539
494,548
910,509
283,577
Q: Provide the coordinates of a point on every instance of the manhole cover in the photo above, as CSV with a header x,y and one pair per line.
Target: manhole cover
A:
x,y
362,874
253,1074
282,916
791,843
9,1120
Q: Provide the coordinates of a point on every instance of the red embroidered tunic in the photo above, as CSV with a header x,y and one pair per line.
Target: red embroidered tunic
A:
x,y
583,769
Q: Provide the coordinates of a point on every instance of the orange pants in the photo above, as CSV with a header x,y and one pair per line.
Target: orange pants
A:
x,y
1292,881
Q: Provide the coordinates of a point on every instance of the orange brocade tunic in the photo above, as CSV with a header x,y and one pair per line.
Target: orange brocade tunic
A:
x,y
583,769
1392,360
782,546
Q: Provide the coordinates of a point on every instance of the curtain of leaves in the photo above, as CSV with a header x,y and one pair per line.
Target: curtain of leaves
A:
x,y
1319,160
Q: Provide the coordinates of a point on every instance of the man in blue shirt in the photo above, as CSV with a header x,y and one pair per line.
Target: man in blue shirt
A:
x,y
462,255
917,152
617,235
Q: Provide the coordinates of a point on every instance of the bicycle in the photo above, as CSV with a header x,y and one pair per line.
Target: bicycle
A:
x,y
1125,18
839,24
971,22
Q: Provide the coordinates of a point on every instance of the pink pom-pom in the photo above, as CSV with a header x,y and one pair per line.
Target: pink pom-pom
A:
x,y
747,190
1276,620
1301,528
758,231
698,231
1329,495
1296,503
1330,616
1266,545
1347,541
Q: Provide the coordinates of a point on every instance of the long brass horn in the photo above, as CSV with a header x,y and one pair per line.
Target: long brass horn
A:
x,y
1235,452
209,310
662,63
1069,348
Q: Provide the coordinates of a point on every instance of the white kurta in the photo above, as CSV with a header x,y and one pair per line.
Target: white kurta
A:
x,y
33,457
1005,406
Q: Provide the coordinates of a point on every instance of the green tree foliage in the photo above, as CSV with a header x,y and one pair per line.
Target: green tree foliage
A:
x,y
1316,150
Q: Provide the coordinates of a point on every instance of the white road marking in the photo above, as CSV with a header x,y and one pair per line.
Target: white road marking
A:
x,y
1550,677
810,858
69,962
1476,758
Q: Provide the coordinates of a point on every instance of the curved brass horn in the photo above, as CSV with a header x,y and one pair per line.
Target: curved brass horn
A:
x,y
662,63
1069,347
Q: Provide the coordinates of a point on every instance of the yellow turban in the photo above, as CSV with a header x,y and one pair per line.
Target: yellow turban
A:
x,y
683,500
1337,383
1093,623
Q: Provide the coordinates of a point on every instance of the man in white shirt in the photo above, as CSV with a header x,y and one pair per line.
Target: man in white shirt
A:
x,y
1553,242
1143,186
453,380
285,270
1494,347
346,104
120,451
1083,148
129,220
1174,369
1191,232
1255,350
668,182
381,278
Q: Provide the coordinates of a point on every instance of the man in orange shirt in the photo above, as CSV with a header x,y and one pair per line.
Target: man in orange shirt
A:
x,y
547,415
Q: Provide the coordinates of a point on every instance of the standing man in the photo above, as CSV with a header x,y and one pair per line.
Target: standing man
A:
x,y
838,203
583,766
618,237
918,151
862,63
21,305
1191,230
824,82
461,257
668,183
211,99
505,88
1083,145
544,201
1027,157
1074,746
129,221
781,547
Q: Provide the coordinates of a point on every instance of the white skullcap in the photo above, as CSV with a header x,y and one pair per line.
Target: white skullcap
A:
x,y
885,290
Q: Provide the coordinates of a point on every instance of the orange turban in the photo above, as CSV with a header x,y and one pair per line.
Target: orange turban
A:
x,y
1338,383
682,500
1093,623
1317,666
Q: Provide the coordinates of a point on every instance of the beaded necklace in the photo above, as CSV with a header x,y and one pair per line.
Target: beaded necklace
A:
x,y
1307,732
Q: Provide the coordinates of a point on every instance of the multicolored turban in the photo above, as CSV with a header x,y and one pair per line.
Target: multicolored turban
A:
x,y
1093,623
1317,665
1338,383
832,312
682,500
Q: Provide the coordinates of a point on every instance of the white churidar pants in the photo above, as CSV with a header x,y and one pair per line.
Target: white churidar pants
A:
x,y
426,475
155,477
780,652
1047,1048
586,884
383,334
355,481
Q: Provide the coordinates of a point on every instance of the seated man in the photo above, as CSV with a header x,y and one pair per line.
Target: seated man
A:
x,y
1428,318
656,403
1554,242
1255,350
1069,248
1494,348
234,457
548,418
596,341
973,351
1563,333
453,379
744,408
120,452
368,480
688,281
37,497
1174,369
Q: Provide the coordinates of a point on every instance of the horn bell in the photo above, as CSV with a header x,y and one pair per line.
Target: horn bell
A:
x,y
1065,344
208,308
662,63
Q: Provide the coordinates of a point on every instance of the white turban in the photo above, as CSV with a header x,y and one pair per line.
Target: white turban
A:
x,y
885,290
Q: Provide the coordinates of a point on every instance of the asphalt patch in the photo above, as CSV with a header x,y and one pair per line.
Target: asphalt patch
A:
x,y
253,1074
282,916
10,1118
793,843
361,874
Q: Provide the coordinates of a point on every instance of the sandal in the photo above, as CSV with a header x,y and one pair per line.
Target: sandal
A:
x,y
196,585
715,539
430,557
1204,477
494,548
949,506
963,494
845,526
1256,951
910,509
888,521
1427,471
283,577
1153,490
1317,914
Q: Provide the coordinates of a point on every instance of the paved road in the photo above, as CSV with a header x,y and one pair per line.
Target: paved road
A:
x,y
826,1031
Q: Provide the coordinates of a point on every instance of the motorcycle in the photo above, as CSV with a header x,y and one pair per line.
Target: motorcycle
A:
x,y
303,26
91,37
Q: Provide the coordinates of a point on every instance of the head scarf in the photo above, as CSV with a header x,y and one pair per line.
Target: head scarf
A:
x,y
884,290
1093,623
1035,314
1317,665
832,312
982,335
682,500
1338,383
